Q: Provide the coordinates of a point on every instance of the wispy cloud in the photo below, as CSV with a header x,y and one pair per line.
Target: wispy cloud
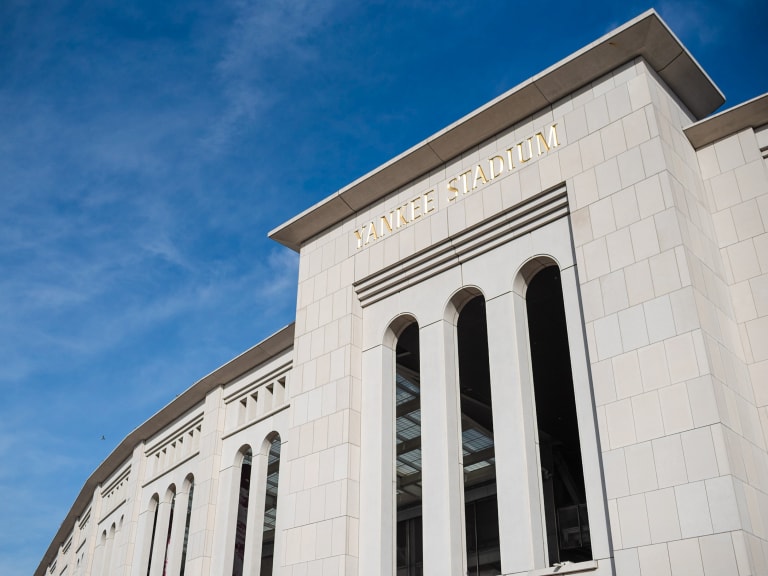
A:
x,y
145,150
268,42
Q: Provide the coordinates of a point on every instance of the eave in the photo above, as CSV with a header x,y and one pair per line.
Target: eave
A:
x,y
647,36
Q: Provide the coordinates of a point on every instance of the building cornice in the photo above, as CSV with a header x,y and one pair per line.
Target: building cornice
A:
x,y
750,114
647,37
195,395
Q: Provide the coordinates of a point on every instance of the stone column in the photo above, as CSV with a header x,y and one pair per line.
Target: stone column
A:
x,y
143,541
254,530
92,533
514,435
441,451
161,535
223,544
176,545
587,418
107,567
378,478
98,556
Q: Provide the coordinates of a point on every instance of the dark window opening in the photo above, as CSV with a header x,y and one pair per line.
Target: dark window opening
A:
x,y
186,528
562,473
156,504
270,509
242,514
479,457
409,547
409,554
168,536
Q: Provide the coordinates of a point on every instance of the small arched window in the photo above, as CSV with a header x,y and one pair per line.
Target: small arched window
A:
x,y
152,525
188,520
270,508
242,512
169,533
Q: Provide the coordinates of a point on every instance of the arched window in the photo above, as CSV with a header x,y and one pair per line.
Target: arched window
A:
x,y
409,555
479,457
562,473
169,532
270,508
191,493
242,512
152,524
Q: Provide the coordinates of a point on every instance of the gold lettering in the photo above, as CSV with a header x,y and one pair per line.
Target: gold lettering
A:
x,y
401,221
371,233
385,221
520,151
539,141
463,177
492,166
509,158
452,190
552,138
429,201
479,175
415,207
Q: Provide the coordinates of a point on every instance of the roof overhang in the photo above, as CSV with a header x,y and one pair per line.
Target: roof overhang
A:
x,y
646,36
195,395
750,114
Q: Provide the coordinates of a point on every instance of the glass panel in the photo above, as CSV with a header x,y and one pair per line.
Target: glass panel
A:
x,y
481,517
152,541
242,514
168,536
409,547
270,508
186,529
481,508
567,524
409,558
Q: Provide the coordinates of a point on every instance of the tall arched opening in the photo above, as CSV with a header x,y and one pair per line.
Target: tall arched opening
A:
x,y
409,550
243,496
169,532
562,472
270,508
150,529
481,513
189,484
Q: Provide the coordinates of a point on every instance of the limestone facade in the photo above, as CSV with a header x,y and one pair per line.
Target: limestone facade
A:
x,y
605,173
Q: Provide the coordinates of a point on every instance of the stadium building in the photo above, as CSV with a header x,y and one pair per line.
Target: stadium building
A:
x,y
535,343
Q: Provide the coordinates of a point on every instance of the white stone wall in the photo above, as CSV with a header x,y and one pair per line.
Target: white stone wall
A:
x,y
75,555
114,534
663,253
678,416
736,193
255,428
322,459
330,337
672,391
652,278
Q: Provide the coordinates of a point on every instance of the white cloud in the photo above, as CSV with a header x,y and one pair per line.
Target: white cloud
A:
x,y
267,41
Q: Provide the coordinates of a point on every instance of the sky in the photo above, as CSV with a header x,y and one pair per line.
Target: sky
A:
x,y
147,148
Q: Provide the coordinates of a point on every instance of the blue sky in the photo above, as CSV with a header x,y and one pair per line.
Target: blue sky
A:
x,y
146,149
